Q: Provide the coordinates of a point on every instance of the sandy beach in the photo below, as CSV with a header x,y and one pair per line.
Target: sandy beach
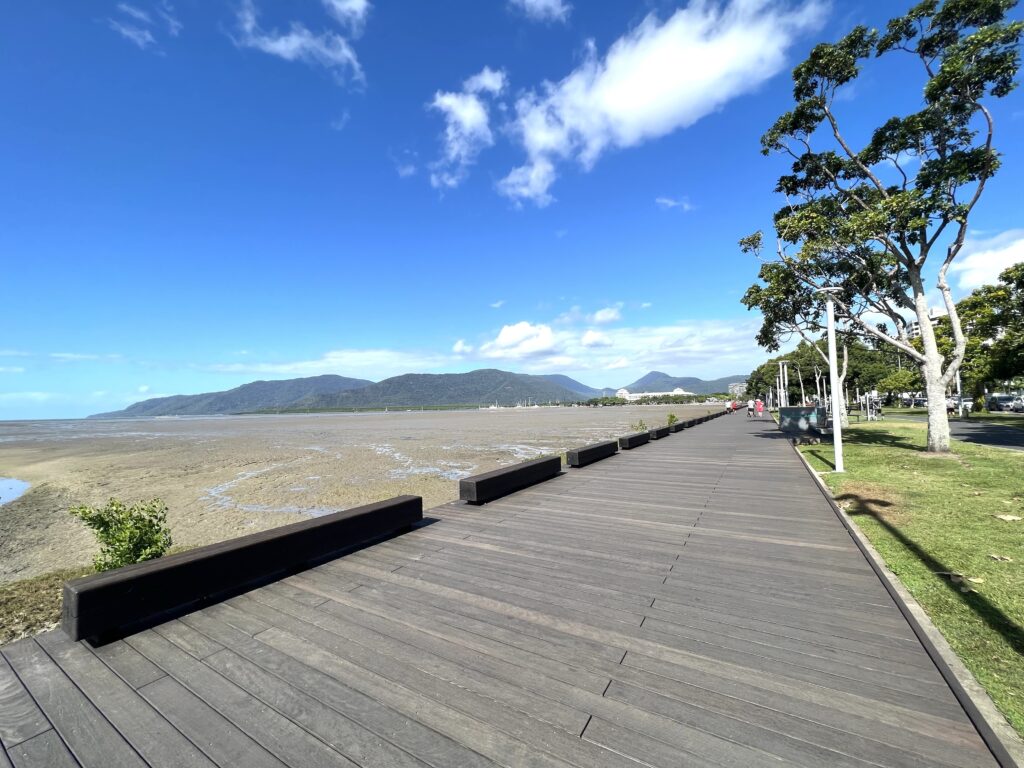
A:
x,y
227,476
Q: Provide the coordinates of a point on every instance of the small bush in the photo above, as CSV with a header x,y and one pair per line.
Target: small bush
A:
x,y
640,426
127,534
672,419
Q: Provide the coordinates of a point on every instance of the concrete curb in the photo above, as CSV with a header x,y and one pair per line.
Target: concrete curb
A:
x,y
1001,739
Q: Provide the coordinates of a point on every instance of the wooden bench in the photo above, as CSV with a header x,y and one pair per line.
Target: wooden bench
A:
x,y
634,440
588,454
489,486
105,606
659,432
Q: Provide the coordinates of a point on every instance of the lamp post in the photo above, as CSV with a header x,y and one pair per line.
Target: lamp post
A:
x,y
833,374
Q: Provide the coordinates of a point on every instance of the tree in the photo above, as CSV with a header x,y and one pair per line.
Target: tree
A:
x,y
861,220
899,381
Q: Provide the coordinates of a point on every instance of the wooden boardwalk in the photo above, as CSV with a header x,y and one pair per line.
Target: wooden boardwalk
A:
x,y
694,602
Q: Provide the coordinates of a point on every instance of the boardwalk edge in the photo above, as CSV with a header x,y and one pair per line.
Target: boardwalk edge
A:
x,y
999,736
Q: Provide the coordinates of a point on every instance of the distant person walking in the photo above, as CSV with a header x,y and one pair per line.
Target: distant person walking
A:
x,y
750,409
759,407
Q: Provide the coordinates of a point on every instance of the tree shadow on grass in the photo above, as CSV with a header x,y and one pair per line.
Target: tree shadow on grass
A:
x,y
996,620
874,437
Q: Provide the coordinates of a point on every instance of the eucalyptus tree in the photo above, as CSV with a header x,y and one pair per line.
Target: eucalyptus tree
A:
x,y
875,221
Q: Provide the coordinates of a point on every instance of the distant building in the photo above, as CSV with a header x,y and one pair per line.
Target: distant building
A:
x,y
738,388
632,397
914,328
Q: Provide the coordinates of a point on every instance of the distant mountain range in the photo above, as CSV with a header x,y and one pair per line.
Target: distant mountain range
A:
x,y
656,381
482,387
258,395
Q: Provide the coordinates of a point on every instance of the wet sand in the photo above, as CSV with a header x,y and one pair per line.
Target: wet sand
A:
x,y
227,476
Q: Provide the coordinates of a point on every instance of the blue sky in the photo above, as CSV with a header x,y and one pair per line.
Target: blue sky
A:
x,y
204,193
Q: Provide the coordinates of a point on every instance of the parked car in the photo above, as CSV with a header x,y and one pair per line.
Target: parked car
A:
x,y
1000,403
1017,406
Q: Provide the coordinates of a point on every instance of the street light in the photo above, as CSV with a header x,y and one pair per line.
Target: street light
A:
x,y
833,375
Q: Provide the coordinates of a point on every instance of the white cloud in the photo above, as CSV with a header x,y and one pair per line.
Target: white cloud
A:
x,y
166,12
487,80
11,369
138,25
141,37
328,50
136,13
498,304
338,124
13,353
73,356
706,348
981,261
349,13
26,397
467,126
461,348
519,341
595,339
369,363
667,203
657,78
606,315
646,305
143,389
544,10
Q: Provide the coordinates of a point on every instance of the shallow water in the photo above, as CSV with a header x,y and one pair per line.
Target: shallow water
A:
x,y
10,489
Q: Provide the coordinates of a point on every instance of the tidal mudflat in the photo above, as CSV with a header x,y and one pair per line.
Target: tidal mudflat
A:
x,y
227,476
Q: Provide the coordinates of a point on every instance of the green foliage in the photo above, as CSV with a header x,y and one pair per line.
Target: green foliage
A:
x,y
671,419
607,401
862,220
127,534
639,426
866,367
904,380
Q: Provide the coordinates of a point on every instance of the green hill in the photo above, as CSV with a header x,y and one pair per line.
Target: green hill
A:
x,y
656,381
482,387
257,395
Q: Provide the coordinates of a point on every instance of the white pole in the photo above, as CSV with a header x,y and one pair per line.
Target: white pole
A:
x,y
833,371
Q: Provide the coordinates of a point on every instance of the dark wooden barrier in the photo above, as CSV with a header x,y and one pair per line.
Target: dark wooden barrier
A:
x,y
588,454
659,432
112,604
679,426
633,440
690,423
489,486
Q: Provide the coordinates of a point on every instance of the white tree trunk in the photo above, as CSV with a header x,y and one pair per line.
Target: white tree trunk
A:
x,y
931,372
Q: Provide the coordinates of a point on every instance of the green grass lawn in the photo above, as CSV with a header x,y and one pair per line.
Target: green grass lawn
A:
x,y
926,514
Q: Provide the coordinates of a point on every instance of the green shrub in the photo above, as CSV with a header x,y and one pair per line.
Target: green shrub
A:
x,y
640,426
127,534
672,419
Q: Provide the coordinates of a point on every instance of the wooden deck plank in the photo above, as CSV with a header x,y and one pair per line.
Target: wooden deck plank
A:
x,y
375,717
87,733
20,717
159,744
214,734
291,744
46,750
